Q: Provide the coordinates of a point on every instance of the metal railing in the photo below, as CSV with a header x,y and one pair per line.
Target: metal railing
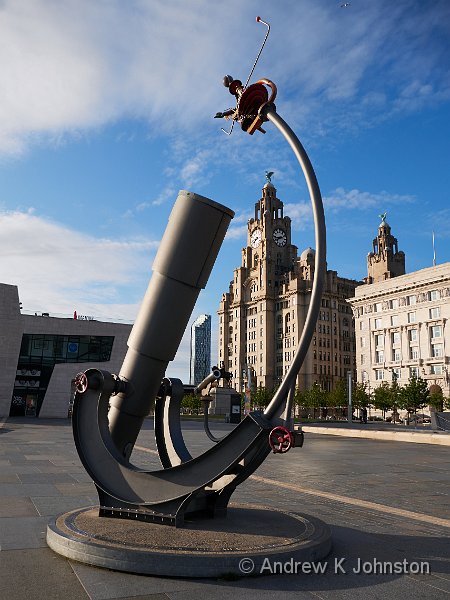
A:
x,y
442,422
102,319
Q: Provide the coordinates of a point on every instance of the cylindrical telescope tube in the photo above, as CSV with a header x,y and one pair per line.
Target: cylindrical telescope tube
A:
x,y
213,376
183,263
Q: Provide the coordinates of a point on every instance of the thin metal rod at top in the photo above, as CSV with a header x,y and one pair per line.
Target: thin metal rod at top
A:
x,y
259,20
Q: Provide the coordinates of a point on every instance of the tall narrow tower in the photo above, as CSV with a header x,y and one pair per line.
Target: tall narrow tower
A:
x,y
200,349
386,260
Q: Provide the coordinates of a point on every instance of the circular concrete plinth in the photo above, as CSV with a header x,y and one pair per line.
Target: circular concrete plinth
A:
x,y
203,548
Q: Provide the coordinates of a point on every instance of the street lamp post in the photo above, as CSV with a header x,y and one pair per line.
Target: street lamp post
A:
x,y
349,391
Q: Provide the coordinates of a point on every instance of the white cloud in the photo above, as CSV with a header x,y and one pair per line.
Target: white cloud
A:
x,y
355,199
236,232
72,65
60,270
300,214
167,193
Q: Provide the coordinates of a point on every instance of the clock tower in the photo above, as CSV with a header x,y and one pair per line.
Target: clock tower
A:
x,y
262,315
269,252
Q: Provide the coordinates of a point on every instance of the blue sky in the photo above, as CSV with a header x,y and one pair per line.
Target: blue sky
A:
x,y
106,112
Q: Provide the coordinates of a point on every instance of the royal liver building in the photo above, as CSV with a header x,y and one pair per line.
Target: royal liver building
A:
x,y
261,317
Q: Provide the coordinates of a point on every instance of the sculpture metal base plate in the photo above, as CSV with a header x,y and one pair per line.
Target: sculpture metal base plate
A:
x,y
202,548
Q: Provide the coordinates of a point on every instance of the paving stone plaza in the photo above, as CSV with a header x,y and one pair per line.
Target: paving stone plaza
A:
x,y
387,504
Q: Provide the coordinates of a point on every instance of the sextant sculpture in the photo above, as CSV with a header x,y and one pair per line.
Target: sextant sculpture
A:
x,y
109,409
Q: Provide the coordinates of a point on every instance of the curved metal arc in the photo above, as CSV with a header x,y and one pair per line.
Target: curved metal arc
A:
x,y
208,431
169,438
121,480
276,406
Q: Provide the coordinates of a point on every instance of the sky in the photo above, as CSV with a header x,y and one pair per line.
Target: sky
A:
x,y
106,112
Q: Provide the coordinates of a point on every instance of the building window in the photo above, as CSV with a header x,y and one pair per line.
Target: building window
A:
x,y
414,372
363,376
414,352
396,373
377,323
413,335
437,350
396,337
379,356
379,374
394,320
437,369
410,300
396,355
436,331
393,303
411,317
378,307
379,340
435,312
363,342
38,355
433,295
363,359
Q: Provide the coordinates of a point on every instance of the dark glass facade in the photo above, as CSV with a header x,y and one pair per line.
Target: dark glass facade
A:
x,y
38,356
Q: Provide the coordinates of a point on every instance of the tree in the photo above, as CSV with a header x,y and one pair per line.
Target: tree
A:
x,y
395,391
382,398
192,403
261,397
338,397
316,398
360,395
300,401
414,395
436,400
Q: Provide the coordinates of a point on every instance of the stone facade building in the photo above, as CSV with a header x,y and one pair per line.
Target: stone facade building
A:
x,y
402,320
262,315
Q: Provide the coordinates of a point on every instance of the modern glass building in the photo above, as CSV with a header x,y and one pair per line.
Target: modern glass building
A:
x,y
41,354
200,365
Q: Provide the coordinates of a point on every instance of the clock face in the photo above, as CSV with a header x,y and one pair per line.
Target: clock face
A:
x,y
279,237
255,239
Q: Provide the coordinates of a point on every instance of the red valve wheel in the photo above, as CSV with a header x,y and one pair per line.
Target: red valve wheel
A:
x,y
81,383
280,440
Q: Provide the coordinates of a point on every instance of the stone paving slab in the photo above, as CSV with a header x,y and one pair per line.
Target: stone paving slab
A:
x,y
17,506
49,506
28,489
38,574
24,532
77,489
54,478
